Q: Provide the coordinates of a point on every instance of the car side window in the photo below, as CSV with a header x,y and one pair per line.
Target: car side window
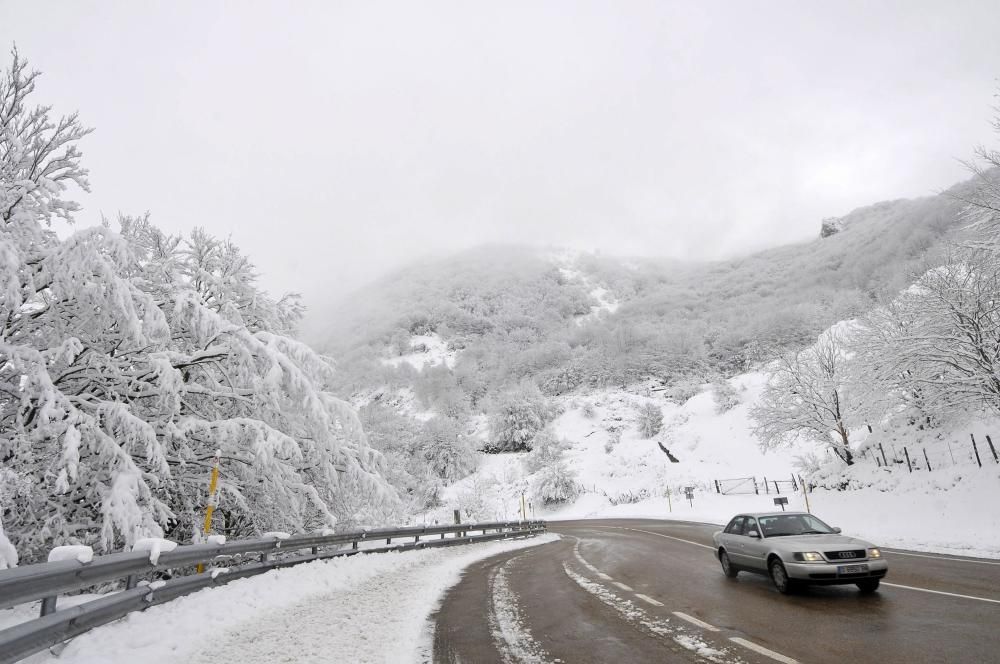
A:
x,y
735,526
750,525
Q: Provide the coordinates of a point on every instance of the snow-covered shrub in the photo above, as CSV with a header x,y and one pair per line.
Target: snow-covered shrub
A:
x,y
588,410
649,418
546,449
556,483
725,396
480,499
446,449
682,390
517,417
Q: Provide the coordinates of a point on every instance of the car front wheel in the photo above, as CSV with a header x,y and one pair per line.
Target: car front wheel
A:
x,y
780,577
727,565
868,586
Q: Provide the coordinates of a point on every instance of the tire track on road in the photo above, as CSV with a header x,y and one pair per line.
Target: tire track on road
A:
x,y
513,640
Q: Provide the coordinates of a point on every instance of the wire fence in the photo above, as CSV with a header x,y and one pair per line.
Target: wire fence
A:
x,y
751,485
972,452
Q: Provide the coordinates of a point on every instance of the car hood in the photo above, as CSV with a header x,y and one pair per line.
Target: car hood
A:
x,y
819,542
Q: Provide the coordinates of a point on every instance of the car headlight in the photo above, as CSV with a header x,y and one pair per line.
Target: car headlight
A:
x,y
874,553
809,557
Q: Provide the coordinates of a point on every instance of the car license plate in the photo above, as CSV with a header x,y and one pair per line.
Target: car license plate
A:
x,y
852,569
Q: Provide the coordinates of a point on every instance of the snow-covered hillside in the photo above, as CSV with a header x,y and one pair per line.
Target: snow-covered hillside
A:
x,y
952,508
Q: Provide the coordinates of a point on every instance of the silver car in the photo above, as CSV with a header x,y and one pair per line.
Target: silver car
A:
x,y
796,548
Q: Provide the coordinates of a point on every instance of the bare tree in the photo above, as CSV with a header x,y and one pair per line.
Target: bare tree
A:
x,y
808,396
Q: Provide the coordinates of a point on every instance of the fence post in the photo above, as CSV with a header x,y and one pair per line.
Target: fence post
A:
x,y
952,453
717,489
795,487
881,449
976,450
878,461
927,461
992,449
755,490
766,490
777,489
908,464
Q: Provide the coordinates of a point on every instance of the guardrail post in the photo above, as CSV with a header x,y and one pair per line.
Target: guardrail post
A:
x,y
131,581
48,605
354,544
315,550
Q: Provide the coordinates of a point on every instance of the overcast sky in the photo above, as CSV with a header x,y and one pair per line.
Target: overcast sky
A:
x,y
334,141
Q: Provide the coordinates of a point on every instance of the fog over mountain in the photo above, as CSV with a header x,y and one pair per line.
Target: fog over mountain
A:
x,y
338,142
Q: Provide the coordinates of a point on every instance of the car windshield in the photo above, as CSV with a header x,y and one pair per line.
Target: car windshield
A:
x,y
783,525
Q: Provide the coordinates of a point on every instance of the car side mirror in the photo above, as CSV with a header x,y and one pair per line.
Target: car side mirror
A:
x,y
836,530
753,533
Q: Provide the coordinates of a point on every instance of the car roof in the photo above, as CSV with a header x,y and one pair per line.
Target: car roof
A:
x,y
757,514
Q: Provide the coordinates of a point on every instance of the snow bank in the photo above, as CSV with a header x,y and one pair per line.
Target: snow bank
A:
x,y
155,546
277,534
80,553
371,608
952,509
8,554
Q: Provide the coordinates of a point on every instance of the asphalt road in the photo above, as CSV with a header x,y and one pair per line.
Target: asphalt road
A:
x,y
612,591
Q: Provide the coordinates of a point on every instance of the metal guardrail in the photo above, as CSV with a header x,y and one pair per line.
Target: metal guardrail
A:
x,y
45,581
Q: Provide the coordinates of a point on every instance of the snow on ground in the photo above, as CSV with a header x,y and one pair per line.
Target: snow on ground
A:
x,y
951,509
428,350
371,608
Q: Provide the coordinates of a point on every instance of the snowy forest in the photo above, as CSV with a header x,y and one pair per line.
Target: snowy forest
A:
x,y
131,359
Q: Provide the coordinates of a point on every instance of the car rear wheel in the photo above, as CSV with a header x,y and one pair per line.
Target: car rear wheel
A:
x,y
868,586
727,565
780,577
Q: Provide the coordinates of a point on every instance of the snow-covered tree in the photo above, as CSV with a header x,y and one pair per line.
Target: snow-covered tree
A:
x,y
446,449
808,395
725,396
649,418
127,360
940,339
983,205
518,415
554,481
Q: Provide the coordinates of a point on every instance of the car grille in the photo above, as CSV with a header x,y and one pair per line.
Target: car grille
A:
x,y
857,554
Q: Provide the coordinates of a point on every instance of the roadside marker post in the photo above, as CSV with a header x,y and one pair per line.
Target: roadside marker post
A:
x,y
805,494
689,494
670,504
213,482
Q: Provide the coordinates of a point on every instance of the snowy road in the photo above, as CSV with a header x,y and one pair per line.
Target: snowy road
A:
x,y
644,590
